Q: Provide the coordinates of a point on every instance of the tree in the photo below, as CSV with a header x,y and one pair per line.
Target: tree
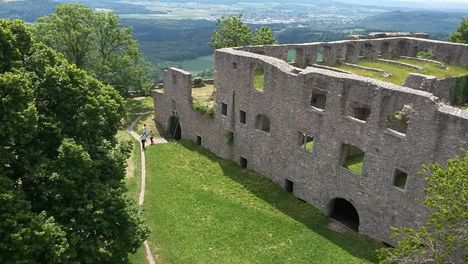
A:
x,y
444,237
232,32
461,34
96,42
264,36
61,172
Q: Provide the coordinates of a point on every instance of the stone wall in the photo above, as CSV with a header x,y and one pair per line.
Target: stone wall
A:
x,y
435,132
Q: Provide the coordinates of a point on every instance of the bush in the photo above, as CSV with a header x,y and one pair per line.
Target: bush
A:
x,y
424,54
203,107
198,82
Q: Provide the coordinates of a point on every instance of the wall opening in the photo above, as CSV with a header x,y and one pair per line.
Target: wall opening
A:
x,y
262,122
199,140
361,113
306,141
320,54
289,185
399,179
343,53
352,158
385,49
350,50
175,131
173,105
174,79
292,55
224,109
242,117
345,213
234,65
318,99
243,162
398,120
258,78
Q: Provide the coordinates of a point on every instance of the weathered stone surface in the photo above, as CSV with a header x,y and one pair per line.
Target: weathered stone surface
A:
x,y
434,132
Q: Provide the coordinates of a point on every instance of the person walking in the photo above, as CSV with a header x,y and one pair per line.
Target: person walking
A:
x,y
144,130
151,137
143,141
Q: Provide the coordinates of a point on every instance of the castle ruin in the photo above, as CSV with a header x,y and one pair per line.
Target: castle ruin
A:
x,y
308,123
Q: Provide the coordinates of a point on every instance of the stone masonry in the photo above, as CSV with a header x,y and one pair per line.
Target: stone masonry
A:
x,y
342,112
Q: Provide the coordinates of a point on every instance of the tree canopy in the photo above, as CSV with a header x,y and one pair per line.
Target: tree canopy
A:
x,y
444,238
461,34
61,169
96,42
232,32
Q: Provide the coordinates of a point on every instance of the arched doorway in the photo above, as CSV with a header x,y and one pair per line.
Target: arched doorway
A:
x,y
345,213
175,131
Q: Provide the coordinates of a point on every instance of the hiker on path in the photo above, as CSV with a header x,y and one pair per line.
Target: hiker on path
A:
x,y
143,140
151,137
144,130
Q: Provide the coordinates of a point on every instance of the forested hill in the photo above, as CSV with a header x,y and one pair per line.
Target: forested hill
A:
x,y
436,23
26,10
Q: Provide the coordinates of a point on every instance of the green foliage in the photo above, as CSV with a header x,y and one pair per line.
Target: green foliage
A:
x,y
232,32
438,240
424,54
96,42
354,163
264,36
198,82
61,168
203,107
461,34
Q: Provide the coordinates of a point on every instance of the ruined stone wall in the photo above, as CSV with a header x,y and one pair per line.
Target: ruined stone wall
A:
x,y
351,50
435,132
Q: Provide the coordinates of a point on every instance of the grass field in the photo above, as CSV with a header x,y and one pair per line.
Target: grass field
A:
x,y
202,209
199,64
400,73
259,80
203,99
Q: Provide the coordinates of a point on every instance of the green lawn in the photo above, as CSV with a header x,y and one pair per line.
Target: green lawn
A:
x,y
203,99
354,163
400,73
202,209
259,79
138,105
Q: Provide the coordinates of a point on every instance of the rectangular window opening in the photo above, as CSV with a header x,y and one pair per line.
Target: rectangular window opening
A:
x,y
259,79
234,65
289,186
318,100
224,109
262,122
399,179
353,158
242,117
306,141
361,113
398,120
199,140
243,162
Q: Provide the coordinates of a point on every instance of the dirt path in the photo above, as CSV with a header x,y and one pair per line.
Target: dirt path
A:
x,y
141,197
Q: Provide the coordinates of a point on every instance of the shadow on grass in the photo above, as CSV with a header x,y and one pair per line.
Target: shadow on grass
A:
x,y
355,244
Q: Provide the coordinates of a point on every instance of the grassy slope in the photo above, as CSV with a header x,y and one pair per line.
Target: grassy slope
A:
x,y
199,64
202,209
400,73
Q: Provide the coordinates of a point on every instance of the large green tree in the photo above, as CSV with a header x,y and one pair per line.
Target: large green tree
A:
x,y
232,32
62,194
444,238
461,34
96,42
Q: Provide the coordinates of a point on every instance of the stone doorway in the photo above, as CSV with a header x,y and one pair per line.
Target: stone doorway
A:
x,y
345,213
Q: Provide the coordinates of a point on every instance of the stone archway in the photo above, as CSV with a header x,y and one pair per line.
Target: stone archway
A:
x,y
345,213
174,128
